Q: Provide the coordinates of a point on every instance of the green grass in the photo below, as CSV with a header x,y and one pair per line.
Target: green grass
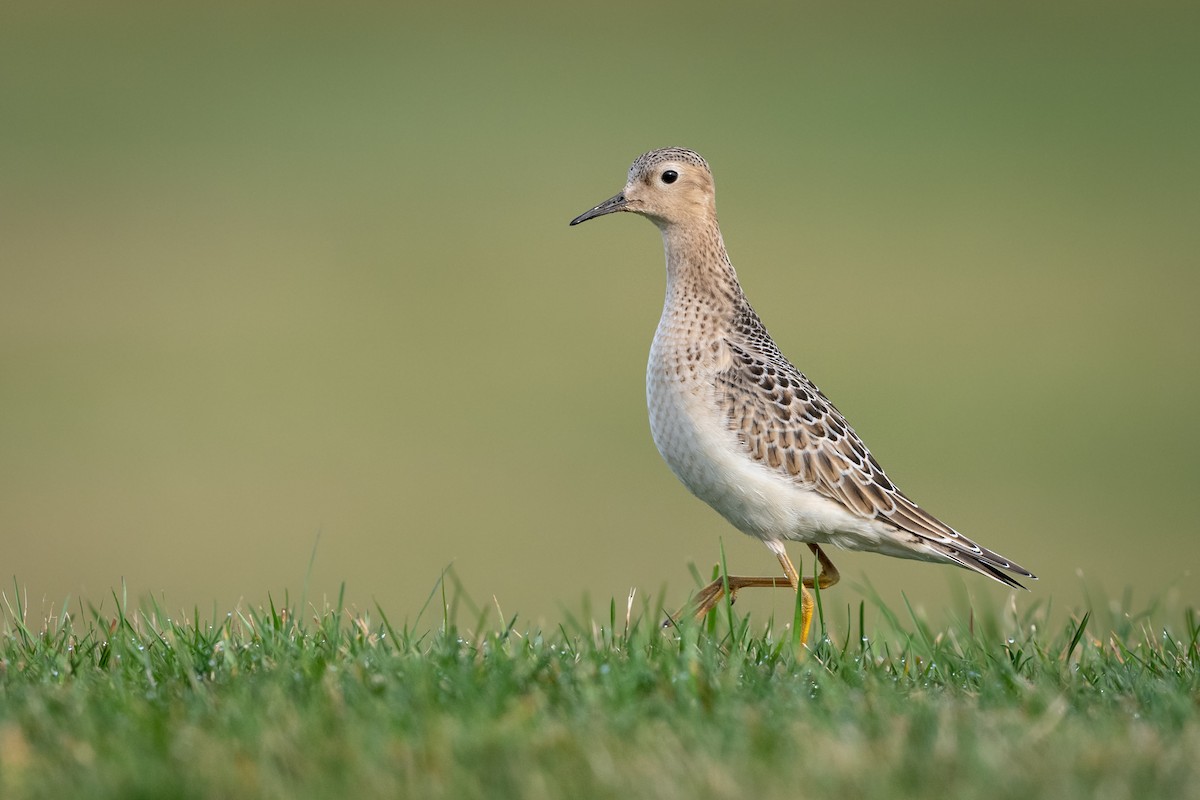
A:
x,y
131,703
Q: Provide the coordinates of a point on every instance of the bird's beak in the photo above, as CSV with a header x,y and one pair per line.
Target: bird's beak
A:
x,y
618,203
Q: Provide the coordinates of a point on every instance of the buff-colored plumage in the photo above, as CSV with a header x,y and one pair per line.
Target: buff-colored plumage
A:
x,y
740,426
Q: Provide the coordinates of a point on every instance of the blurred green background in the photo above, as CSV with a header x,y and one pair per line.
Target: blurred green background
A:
x,y
277,273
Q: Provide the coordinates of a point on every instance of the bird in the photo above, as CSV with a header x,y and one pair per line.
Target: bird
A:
x,y
746,431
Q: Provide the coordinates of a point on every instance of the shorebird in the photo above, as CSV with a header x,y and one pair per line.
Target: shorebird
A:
x,y
746,431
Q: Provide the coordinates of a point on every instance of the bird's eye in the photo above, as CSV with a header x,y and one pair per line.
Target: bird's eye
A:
x,y
670,176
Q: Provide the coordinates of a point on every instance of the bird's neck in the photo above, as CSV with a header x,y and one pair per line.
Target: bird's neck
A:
x,y
698,266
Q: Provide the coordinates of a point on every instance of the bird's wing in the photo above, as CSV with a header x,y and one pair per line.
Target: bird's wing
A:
x,y
787,424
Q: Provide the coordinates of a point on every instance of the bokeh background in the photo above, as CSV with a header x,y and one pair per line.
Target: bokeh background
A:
x,y
294,276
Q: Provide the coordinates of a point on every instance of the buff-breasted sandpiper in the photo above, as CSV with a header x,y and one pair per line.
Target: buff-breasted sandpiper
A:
x,y
745,430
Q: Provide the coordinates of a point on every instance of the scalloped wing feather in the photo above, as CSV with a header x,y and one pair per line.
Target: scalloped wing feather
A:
x,y
785,422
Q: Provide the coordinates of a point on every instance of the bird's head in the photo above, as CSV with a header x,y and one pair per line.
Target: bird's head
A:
x,y
671,186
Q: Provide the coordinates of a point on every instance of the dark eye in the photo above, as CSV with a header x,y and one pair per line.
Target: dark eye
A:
x,y
670,176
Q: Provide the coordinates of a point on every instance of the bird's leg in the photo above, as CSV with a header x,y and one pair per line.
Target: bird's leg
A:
x,y
710,595
827,577
829,574
797,584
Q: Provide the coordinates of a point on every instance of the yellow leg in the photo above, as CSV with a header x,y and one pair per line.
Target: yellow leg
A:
x,y
827,577
710,595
